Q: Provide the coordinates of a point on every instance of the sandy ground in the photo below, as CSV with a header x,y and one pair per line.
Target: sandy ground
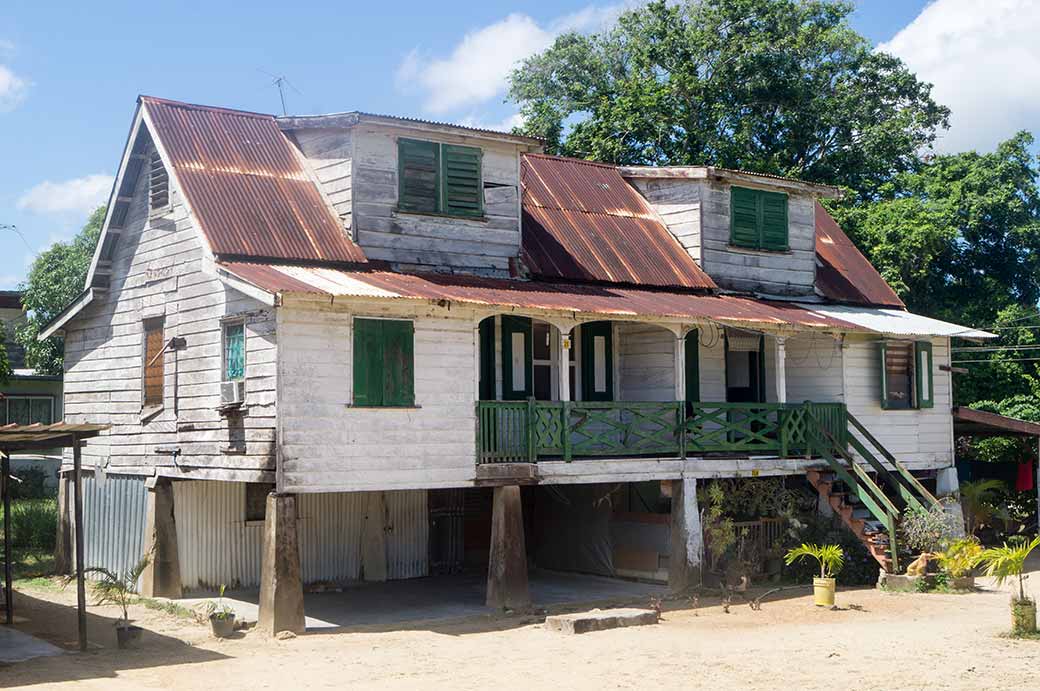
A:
x,y
874,641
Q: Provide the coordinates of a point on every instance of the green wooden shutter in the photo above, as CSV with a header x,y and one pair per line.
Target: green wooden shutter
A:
x,y
924,374
510,326
463,187
773,215
693,367
368,362
418,171
487,359
743,217
883,352
398,363
589,334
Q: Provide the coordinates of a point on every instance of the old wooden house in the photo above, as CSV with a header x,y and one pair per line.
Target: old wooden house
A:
x,y
356,347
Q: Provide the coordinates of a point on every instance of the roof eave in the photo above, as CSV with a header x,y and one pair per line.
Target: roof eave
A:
x,y
746,177
55,325
354,118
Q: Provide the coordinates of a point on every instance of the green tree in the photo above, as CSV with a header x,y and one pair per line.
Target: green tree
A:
x,y
5,362
774,86
57,276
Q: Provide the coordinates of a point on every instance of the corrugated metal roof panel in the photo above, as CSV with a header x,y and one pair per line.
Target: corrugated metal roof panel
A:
x,y
583,222
894,322
843,273
587,299
247,185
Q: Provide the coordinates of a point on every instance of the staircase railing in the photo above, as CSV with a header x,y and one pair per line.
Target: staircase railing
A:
x,y
902,481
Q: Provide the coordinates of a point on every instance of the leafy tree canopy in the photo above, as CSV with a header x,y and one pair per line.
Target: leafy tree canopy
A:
x,y
775,86
57,276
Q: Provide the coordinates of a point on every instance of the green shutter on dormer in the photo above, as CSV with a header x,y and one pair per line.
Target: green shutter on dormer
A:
x,y
758,219
462,187
774,221
743,217
418,168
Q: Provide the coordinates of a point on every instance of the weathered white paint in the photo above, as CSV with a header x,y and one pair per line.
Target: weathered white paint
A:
x,y
647,362
780,366
814,371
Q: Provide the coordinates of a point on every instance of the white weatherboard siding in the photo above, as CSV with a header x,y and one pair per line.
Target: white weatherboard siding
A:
x,y
429,241
328,445
814,369
330,154
678,202
647,362
918,438
157,272
216,545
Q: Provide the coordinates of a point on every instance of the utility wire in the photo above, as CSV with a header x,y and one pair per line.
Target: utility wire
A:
x,y
996,362
994,349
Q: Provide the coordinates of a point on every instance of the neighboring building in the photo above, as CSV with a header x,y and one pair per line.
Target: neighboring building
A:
x,y
28,397
382,318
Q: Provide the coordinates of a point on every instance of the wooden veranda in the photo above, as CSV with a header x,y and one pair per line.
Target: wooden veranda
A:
x,y
17,438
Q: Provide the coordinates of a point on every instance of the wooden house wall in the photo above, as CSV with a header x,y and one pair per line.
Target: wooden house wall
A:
x,y
157,270
813,367
646,363
330,153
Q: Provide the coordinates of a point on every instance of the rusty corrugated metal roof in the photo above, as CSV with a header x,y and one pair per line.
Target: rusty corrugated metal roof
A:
x,y
583,222
843,274
247,186
536,295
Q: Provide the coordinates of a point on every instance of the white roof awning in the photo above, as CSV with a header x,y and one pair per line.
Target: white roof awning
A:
x,y
893,322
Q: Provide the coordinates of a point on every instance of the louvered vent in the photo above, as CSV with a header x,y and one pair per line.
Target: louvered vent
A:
x,y
158,184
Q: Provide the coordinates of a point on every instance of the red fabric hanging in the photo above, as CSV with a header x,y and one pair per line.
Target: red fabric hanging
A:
x,y
1025,478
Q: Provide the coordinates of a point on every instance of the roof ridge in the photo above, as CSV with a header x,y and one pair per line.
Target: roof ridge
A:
x,y
144,98
571,159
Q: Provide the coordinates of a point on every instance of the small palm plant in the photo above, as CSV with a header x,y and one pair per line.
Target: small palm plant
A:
x,y
1004,563
115,588
830,557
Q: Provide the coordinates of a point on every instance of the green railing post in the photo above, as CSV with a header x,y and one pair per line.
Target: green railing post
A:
x,y
680,420
532,449
565,429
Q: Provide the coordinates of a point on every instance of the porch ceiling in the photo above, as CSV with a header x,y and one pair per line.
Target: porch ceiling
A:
x,y
604,301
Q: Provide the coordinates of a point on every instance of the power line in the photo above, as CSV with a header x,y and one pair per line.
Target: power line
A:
x,y
994,349
996,362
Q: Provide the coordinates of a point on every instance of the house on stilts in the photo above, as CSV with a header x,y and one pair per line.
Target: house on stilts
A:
x,y
354,347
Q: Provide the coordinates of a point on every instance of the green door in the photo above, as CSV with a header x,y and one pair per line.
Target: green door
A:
x,y
517,358
597,362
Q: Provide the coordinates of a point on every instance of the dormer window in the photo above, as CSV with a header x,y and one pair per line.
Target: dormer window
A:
x,y
436,178
758,219
158,184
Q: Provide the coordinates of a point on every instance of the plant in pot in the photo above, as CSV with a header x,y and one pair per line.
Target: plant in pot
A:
x,y
831,559
1004,563
118,589
958,561
221,616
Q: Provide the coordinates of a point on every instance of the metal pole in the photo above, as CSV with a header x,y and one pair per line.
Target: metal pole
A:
x,y
81,587
8,592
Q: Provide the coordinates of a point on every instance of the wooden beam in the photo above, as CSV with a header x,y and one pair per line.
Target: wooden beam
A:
x,y
8,592
81,586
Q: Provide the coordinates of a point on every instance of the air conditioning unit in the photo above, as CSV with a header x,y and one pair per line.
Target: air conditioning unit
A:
x,y
232,393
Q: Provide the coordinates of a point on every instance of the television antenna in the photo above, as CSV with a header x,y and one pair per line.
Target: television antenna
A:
x,y
281,82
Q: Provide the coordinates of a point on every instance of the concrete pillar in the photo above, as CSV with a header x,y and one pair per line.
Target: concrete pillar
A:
x,y
680,368
781,369
687,538
63,539
281,584
948,485
373,538
162,577
507,565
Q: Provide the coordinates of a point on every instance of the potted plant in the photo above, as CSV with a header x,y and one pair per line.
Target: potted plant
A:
x,y
958,561
831,559
118,589
1004,563
221,616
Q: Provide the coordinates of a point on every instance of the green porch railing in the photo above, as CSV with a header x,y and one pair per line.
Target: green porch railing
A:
x,y
524,431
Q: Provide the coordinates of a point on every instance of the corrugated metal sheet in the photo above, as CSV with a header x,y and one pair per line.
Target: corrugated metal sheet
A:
x,y
588,299
843,274
351,118
216,545
114,509
893,322
246,185
583,222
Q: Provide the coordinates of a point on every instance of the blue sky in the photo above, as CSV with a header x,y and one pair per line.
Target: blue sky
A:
x,y
70,71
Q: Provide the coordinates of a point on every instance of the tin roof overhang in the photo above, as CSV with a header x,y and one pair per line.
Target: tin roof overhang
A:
x,y
898,323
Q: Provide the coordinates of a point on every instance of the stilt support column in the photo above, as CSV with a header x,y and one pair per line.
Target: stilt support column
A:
x,y
162,577
281,584
687,539
507,566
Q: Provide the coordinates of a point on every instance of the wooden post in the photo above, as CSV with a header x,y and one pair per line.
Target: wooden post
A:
x,y
162,576
565,365
507,564
63,539
5,468
687,539
281,583
81,586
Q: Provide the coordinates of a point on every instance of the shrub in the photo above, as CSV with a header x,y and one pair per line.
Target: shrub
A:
x,y
929,530
33,523
31,484
860,567
959,558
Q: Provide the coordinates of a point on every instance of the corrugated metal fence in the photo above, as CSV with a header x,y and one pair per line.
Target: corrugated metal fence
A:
x,y
114,508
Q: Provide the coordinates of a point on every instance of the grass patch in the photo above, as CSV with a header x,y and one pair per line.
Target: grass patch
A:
x,y
1035,636
34,524
32,564
171,608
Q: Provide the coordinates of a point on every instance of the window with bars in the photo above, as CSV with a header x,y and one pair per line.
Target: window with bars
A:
x,y
234,351
439,178
152,362
27,410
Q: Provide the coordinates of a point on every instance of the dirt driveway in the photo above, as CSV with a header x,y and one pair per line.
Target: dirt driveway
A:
x,y
876,641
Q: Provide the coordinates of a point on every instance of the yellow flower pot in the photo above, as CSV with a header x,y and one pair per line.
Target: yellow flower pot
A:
x,y
823,592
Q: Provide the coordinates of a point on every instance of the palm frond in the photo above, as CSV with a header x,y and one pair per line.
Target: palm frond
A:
x,y
831,558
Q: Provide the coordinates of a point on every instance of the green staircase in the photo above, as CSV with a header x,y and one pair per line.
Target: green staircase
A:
x,y
868,494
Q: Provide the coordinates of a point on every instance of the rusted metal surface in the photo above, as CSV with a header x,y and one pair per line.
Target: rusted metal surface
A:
x,y
11,436
843,273
246,185
982,423
583,222
353,118
535,295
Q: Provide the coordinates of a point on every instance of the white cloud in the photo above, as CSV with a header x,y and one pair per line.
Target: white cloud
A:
x,y
478,68
12,89
505,125
79,195
984,60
